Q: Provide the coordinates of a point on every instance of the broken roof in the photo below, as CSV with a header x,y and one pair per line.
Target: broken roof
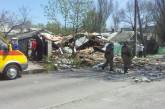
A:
x,y
51,37
123,36
46,34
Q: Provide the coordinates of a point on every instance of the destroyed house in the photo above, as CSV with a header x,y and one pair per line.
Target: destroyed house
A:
x,y
46,38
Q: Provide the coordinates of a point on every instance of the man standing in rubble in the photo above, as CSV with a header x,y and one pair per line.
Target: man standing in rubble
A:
x,y
109,54
126,56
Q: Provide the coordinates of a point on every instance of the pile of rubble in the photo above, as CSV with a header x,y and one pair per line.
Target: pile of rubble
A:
x,y
142,69
140,62
89,58
83,58
152,68
90,52
83,46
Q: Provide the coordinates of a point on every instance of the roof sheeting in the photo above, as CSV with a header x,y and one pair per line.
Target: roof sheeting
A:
x,y
51,37
123,36
26,35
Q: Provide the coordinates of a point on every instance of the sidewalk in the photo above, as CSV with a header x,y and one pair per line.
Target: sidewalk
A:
x,y
34,68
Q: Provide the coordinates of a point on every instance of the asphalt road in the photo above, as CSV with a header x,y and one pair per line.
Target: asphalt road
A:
x,y
80,90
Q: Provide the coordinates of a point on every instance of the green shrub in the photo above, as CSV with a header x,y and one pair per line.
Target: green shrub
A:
x,y
49,64
161,50
75,61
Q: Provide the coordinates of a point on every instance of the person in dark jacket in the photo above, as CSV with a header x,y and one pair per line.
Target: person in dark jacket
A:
x,y
109,54
126,56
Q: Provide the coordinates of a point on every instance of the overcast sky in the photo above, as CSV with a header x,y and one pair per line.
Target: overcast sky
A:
x,y
36,13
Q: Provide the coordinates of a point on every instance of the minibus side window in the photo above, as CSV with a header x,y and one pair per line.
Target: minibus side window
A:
x,y
3,46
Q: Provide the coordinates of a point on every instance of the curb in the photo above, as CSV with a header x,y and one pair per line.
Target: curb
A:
x,y
35,71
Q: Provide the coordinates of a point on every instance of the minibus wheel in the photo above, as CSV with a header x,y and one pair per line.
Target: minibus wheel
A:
x,y
11,72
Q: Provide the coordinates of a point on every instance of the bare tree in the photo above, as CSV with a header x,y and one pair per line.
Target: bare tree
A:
x,y
78,10
160,18
117,16
72,11
145,9
129,14
57,7
4,19
24,18
64,7
95,19
145,13
104,10
90,21
10,21
51,10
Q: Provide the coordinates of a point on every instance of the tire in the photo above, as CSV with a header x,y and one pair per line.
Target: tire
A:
x,y
11,72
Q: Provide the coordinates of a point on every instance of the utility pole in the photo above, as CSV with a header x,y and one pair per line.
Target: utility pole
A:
x,y
135,28
140,23
141,30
